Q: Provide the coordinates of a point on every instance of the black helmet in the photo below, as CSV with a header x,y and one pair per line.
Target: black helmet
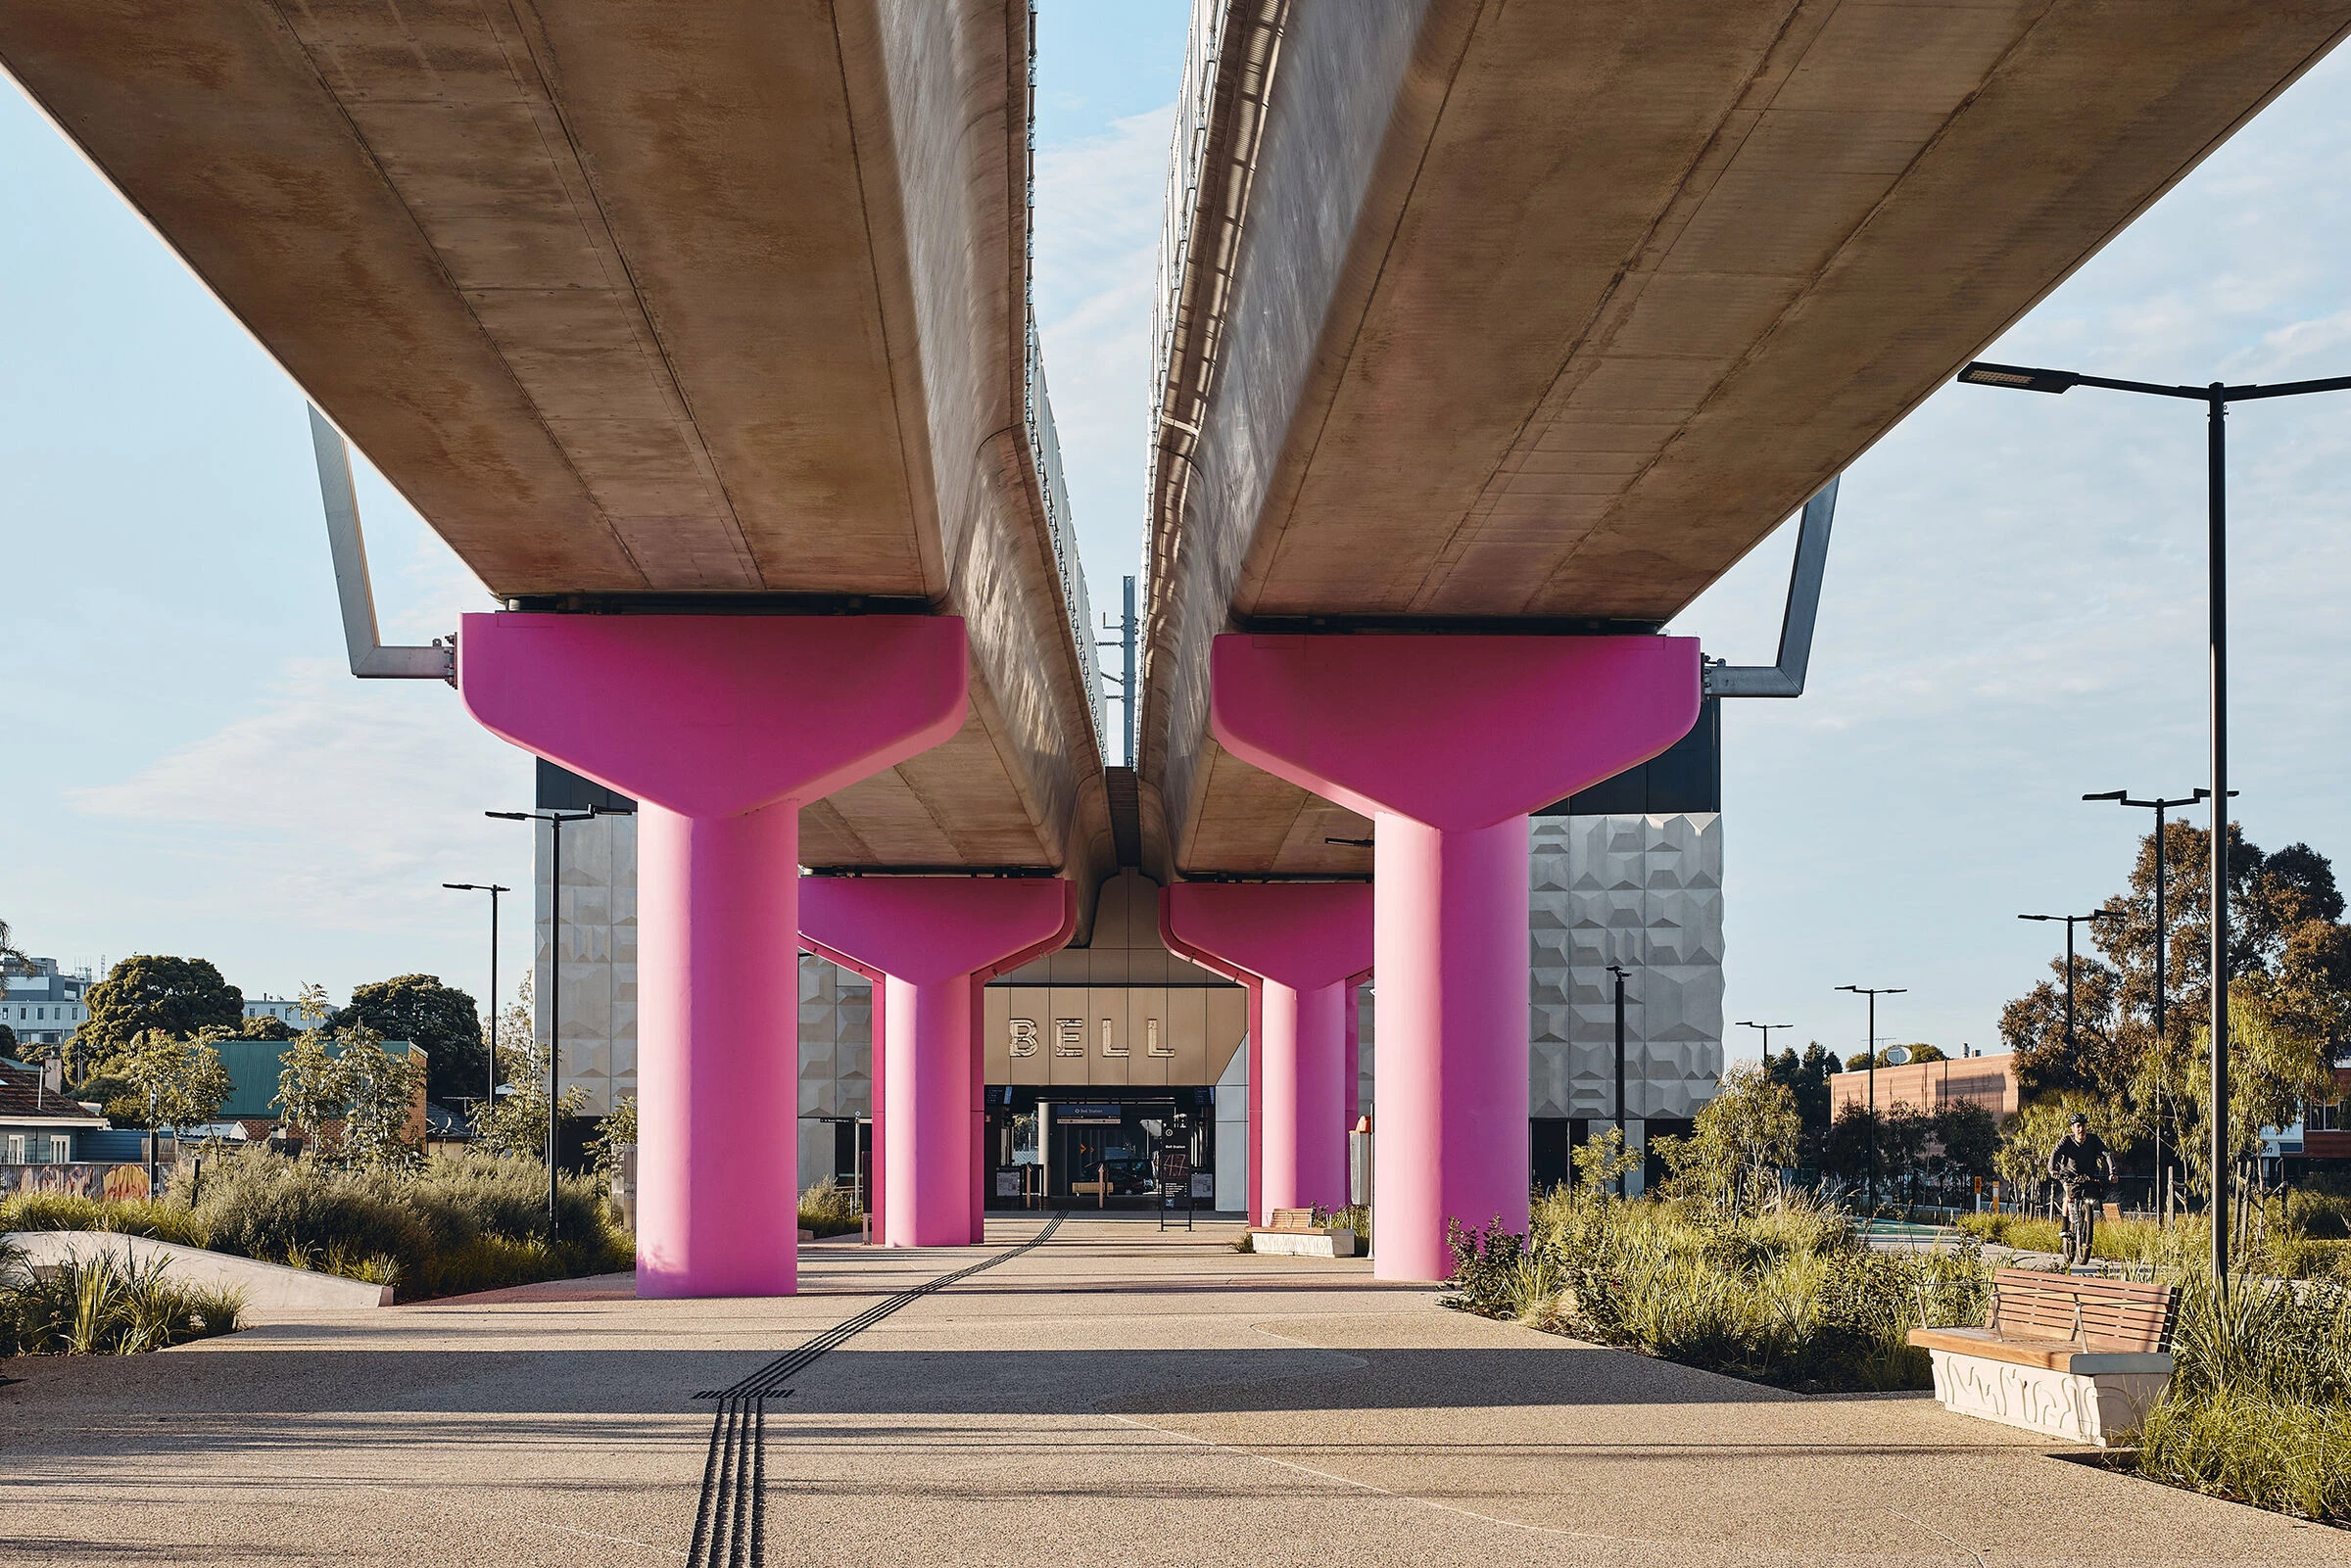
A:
x,y
2079,1121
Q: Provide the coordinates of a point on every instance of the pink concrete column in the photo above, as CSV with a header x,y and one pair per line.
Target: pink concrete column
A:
x,y
722,727
1447,744
1300,941
929,939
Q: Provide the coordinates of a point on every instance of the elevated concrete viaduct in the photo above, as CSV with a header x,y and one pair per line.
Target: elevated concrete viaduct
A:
x,y
1527,321
664,317
1488,335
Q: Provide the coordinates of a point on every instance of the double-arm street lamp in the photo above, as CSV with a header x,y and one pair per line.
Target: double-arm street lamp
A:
x,y
492,889
1873,993
2216,397
554,979
2163,941
2072,921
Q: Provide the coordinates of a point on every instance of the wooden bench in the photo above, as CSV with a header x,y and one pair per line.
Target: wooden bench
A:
x,y
1294,1233
2075,1359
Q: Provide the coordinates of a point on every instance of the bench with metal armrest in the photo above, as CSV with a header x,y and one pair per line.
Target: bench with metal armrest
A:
x,y
1294,1233
2075,1359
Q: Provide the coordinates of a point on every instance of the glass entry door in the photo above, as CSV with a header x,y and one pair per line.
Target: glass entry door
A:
x,y
1106,1163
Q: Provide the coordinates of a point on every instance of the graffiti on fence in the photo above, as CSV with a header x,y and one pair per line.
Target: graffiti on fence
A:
x,y
109,1183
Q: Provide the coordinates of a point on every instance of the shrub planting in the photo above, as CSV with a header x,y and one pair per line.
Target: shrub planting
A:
x,y
1781,1292
830,1209
2259,1408
459,1224
103,1306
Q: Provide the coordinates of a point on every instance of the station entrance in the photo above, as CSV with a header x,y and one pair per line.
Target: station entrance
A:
x,y
1099,1148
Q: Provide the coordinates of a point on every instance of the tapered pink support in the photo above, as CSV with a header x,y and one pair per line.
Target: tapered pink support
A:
x,y
929,939
722,727
1301,942
1447,744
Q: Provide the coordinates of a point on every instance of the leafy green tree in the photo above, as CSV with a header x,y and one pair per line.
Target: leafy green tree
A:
x,y
439,1019
1740,1142
515,1122
2027,1137
618,1133
1970,1138
2102,1055
2289,956
1859,1062
180,1082
264,1027
1806,1078
1602,1159
379,1092
8,1041
1846,1151
310,1092
150,992
2273,1072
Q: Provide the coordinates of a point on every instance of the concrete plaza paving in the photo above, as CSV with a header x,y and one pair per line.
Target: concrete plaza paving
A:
x,y
1117,1396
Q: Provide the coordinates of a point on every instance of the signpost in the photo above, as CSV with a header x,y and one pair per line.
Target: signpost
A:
x,y
1174,1170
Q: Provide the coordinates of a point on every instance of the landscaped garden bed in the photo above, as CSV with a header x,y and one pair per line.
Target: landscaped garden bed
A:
x,y
455,1224
1788,1294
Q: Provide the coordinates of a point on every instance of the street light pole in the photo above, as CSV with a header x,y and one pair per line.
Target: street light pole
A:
x,y
1621,976
1766,1029
2071,921
1873,993
554,975
492,889
2216,397
2163,944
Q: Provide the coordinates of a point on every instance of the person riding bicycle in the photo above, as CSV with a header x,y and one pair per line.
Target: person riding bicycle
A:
x,y
2084,1164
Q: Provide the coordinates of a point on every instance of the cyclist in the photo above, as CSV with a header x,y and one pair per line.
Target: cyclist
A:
x,y
2084,1164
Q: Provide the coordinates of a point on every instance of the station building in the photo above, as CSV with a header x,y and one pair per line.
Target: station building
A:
x,y
1096,1052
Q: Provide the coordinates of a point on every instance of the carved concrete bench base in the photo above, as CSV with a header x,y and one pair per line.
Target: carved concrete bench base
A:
x,y
2077,1406
1304,1243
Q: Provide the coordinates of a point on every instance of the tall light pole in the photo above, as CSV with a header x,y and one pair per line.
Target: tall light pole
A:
x,y
1622,975
555,979
2071,921
492,889
1873,993
2163,945
2216,397
1766,1029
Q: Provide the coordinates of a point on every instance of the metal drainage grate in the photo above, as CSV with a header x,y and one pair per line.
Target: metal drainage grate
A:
x,y
730,1525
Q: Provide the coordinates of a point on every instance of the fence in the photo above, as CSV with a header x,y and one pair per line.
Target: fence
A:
x,y
106,1182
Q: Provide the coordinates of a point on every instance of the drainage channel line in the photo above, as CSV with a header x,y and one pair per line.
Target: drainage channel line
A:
x,y
730,1523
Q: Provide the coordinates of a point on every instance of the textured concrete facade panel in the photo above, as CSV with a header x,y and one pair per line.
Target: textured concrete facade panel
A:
x,y
1644,893
599,973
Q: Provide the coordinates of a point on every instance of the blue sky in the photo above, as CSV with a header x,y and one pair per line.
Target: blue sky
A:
x,y
2013,613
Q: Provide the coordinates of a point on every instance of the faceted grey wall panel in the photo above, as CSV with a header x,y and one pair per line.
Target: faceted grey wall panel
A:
x,y
1644,893
598,1048
837,1040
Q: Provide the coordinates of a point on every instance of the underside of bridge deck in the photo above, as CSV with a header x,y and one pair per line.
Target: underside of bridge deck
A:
x,y
1540,317
647,308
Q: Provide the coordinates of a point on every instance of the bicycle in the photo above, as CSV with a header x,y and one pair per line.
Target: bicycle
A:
x,y
2080,1222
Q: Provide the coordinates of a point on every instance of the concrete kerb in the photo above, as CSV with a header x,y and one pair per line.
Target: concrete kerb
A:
x,y
266,1287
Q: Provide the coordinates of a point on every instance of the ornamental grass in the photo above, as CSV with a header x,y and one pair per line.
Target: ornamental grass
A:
x,y
1785,1293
